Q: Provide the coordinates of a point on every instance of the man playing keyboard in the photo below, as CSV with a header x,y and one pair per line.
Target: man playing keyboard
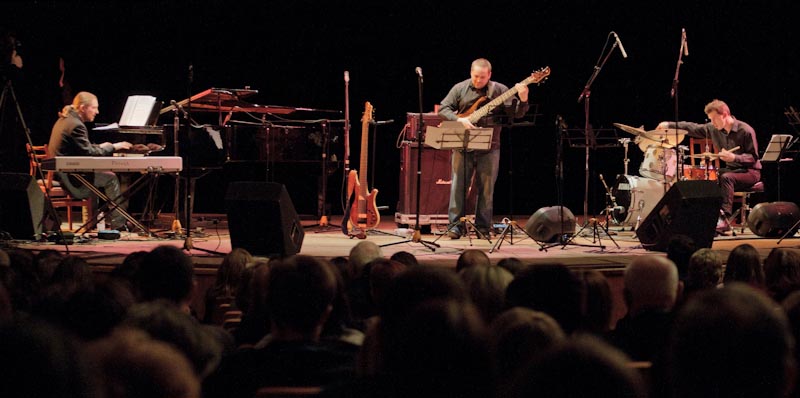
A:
x,y
70,137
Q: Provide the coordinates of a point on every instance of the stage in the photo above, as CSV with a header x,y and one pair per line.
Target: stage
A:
x,y
210,233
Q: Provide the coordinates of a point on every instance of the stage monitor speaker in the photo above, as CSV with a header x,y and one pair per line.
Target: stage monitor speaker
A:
x,y
689,208
21,206
773,219
545,224
262,219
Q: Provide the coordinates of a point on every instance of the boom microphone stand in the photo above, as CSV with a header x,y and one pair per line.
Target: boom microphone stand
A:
x,y
417,236
684,50
585,96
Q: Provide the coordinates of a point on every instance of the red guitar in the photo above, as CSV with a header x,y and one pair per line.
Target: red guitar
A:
x,y
362,213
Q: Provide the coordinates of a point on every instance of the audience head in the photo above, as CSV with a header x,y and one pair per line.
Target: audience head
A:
x,y
597,302
512,265
300,294
132,364
443,352
381,274
92,314
46,263
730,342
230,271
164,321
73,272
679,249
487,288
651,283
584,366
519,335
166,273
744,265
552,289
705,271
361,254
39,360
472,258
782,272
406,258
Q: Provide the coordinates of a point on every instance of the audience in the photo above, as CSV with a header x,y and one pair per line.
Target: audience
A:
x,y
131,364
705,271
226,285
650,292
519,335
552,289
744,265
584,366
478,331
487,289
782,272
680,249
300,295
472,258
730,342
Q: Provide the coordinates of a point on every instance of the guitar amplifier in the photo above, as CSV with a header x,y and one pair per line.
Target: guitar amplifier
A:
x,y
434,187
412,119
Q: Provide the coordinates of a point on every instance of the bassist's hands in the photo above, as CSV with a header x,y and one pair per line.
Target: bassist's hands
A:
x,y
465,121
522,91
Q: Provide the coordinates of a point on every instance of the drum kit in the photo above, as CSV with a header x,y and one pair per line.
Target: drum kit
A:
x,y
634,197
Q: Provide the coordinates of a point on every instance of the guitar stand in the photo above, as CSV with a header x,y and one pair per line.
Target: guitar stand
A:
x,y
596,240
508,230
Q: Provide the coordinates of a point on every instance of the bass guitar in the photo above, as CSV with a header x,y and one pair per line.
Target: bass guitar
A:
x,y
474,113
361,213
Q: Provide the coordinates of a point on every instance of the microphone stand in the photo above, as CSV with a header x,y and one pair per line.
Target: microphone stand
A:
x,y
49,210
188,245
417,236
674,94
585,96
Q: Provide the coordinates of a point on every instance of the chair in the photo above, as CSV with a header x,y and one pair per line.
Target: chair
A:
x,y
59,196
744,202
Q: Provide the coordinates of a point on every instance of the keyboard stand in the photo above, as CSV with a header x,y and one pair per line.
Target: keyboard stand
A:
x,y
111,205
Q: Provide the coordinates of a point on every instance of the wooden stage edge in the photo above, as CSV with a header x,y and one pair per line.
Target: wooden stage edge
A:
x,y
329,242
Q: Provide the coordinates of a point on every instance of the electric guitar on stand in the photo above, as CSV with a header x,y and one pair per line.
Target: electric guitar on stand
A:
x,y
361,213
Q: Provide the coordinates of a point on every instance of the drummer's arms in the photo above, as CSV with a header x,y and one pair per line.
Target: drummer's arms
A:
x,y
695,130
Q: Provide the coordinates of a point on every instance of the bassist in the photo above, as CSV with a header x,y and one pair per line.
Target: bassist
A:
x,y
462,100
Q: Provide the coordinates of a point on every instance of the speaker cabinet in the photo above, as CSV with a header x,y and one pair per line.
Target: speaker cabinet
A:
x,y
21,206
435,184
545,225
773,219
689,208
262,219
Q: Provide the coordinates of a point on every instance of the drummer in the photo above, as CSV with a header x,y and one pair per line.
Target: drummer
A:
x,y
742,166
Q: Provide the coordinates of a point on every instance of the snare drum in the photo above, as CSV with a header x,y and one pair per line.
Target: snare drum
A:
x,y
699,173
653,164
635,197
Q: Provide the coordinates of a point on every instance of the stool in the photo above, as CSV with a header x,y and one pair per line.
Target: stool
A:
x,y
744,207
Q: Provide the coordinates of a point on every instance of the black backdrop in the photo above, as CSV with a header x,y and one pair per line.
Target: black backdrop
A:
x,y
295,52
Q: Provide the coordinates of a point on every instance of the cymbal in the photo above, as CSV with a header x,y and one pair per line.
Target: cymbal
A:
x,y
637,131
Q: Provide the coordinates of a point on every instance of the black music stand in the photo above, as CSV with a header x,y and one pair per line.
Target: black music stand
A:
x,y
453,135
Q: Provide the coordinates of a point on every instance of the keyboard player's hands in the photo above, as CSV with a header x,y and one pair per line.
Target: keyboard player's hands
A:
x,y
122,145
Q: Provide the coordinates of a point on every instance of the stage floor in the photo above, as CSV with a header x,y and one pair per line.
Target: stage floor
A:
x,y
327,242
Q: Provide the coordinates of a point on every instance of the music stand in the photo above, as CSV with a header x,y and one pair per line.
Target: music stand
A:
x,y
453,135
589,138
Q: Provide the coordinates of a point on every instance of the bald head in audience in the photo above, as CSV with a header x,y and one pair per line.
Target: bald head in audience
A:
x,y
651,282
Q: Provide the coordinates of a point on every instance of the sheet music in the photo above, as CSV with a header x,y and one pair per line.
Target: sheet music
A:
x,y
777,143
137,110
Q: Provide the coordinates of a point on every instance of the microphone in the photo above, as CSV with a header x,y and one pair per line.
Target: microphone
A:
x,y
419,72
380,122
619,43
685,43
347,76
178,107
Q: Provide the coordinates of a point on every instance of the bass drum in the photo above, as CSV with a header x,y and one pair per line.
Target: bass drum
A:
x,y
635,198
